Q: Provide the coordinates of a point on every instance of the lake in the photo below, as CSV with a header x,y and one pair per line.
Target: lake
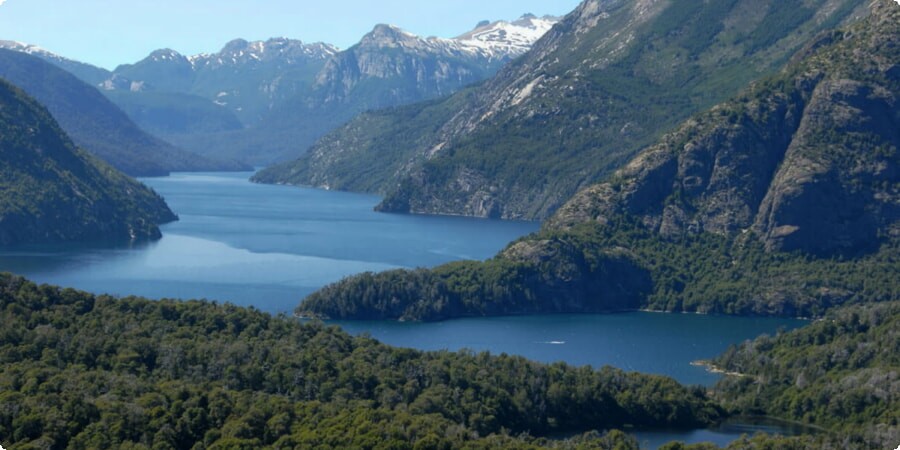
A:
x,y
260,245
269,246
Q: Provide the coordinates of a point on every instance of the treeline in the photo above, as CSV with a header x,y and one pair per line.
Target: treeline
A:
x,y
85,371
841,373
620,265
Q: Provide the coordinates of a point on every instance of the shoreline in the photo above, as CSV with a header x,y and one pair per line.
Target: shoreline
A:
x,y
712,368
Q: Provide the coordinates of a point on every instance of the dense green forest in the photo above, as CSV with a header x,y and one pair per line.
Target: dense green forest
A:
x,y
841,373
85,371
50,191
618,266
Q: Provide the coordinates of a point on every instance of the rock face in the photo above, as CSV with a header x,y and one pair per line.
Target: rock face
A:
x,y
245,78
807,160
95,123
605,82
52,192
421,68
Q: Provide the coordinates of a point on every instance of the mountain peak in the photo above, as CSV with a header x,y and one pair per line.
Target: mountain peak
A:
x,y
512,38
235,45
385,34
166,54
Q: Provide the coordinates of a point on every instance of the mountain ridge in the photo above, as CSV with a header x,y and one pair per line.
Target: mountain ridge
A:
x,y
605,82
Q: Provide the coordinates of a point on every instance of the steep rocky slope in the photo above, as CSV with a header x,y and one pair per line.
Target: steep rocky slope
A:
x,y
96,124
609,79
807,160
783,200
52,192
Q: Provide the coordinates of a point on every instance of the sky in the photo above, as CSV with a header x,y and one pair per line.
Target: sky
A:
x,y
107,33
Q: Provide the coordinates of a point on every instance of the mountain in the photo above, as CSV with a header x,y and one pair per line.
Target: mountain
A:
x,y
781,201
510,39
807,160
90,74
288,94
416,68
606,81
97,125
171,115
246,78
52,192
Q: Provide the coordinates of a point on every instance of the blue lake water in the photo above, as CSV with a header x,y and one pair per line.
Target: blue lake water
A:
x,y
270,246
259,245
663,344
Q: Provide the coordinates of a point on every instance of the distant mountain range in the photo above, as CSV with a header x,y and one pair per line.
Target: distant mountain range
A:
x,y
52,192
95,123
268,101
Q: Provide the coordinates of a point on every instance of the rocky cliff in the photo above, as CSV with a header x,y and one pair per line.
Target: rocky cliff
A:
x,y
807,160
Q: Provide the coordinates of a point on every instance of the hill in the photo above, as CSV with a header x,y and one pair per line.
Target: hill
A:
x,y
839,373
52,192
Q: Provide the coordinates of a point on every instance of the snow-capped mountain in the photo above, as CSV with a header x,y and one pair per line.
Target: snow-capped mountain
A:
x,y
86,72
509,38
248,78
429,66
283,51
297,90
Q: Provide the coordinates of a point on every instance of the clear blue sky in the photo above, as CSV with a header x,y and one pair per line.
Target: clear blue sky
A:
x,y
111,32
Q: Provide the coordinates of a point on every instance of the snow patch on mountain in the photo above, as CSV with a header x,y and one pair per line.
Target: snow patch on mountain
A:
x,y
513,38
490,41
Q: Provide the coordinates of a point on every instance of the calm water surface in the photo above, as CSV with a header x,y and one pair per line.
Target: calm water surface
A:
x,y
269,246
664,344
260,245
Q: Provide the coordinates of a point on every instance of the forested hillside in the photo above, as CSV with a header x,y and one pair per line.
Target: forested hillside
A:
x,y
85,371
841,373
52,192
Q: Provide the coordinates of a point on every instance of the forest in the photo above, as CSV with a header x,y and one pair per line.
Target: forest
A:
x,y
618,266
85,371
